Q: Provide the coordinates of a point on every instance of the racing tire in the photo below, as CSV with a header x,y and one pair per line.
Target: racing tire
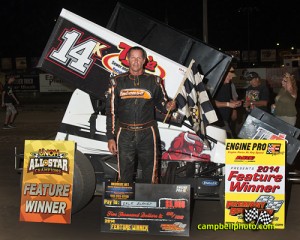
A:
x,y
170,176
84,182
222,194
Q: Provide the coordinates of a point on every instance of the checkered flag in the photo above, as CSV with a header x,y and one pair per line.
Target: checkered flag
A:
x,y
275,205
250,214
61,155
194,103
35,154
265,218
271,202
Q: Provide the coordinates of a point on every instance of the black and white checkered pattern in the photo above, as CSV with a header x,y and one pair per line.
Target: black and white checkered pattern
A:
x,y
271,203
61,155
250,214
265,198
194,103
275,205
265,218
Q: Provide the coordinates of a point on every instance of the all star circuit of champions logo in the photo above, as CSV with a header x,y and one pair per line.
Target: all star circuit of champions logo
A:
x,y
50,161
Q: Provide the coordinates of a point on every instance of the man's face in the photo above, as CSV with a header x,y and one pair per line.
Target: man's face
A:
x,y
254,82
136,61
230,75
11,80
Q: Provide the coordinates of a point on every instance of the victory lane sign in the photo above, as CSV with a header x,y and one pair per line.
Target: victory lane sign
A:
x,y
47,181
255,182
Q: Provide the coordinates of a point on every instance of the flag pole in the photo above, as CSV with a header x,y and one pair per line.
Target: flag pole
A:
x,y
180,86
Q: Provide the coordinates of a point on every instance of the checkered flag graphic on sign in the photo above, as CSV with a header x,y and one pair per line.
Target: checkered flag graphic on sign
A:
x,y
271,202
194,103
270,148
61,155
250,214
265,218
275,205
265,198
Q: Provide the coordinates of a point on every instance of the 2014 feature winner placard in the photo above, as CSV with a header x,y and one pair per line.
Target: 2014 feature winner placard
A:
x,y
255,182
47,181
159,209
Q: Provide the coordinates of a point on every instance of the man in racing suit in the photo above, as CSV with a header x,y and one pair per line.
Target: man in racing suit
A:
x,y
132,131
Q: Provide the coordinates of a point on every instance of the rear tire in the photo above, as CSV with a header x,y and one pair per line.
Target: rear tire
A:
x,y
170,175
222,194
84,182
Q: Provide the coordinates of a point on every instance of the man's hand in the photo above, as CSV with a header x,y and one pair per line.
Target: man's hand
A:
x,y
112,146
235,103
171,105
247,104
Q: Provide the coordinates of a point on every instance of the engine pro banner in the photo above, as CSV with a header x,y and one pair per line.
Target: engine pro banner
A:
x,y
87,55
255,182
47,181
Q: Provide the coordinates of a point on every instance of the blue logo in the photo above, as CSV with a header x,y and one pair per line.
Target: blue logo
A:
x,y
210,183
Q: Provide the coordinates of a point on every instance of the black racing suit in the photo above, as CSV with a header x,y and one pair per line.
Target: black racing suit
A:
x,y
130,111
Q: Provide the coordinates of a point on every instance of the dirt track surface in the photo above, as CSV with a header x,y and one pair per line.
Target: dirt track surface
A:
x,y
43,124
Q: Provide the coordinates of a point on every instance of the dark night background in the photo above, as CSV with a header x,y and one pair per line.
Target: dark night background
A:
x,y
27,24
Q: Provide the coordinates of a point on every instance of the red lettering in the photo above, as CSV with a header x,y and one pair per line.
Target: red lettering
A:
x,y
236,211
169,204
245,157
179,204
